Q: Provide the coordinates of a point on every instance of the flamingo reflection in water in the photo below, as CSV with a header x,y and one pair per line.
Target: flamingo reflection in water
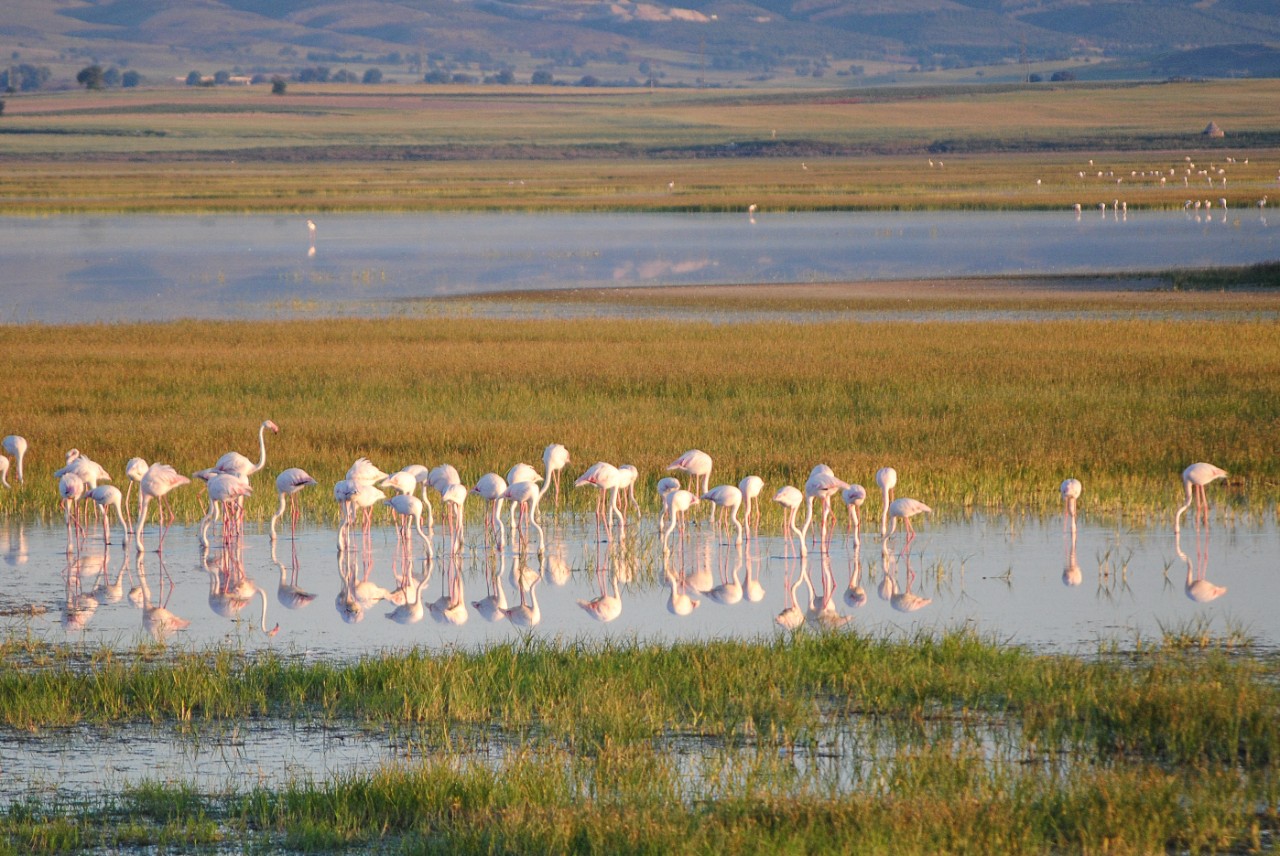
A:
x,y
78,606
157,620
605,607
230,589
729,591
822,607
854,594
492,607
451,606
288,593
1197,587
902,599
526,614
792,617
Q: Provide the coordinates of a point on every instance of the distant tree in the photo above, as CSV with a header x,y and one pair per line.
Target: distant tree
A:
x,y
1059,76
24,78
505,77
222,77
278,85
542,77
130,79
194,78
111,77
589,80
90,77
371,76
461,77
436,75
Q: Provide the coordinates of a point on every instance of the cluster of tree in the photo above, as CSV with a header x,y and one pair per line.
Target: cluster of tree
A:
x,y
24,77
96,77
322,74
505,77
393,58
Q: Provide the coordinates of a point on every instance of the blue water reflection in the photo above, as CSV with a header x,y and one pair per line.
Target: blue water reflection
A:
x,y
121,268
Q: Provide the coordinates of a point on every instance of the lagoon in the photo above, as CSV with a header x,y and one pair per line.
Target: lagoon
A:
x,y
110,269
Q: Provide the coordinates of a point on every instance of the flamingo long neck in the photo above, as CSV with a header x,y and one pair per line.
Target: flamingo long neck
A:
x,y
279,513
884,513
1177,520
143,503
262,447
808,518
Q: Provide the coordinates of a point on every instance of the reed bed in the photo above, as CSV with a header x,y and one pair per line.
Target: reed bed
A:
x,y
975,416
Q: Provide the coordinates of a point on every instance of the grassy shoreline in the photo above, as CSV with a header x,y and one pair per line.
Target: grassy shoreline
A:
x,y
948,742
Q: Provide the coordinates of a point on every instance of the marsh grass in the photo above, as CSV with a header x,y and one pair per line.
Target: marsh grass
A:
x,y
1155,750
975,416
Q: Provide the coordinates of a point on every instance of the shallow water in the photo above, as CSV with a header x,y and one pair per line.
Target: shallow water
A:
x,y
1015,579
142,268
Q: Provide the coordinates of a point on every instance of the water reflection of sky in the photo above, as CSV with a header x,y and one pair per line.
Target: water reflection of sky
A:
x,y
122,268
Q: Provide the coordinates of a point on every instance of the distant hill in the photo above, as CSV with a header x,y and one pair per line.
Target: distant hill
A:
x,y
629,42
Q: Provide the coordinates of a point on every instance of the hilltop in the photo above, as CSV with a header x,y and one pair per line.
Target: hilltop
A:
x,y
783,43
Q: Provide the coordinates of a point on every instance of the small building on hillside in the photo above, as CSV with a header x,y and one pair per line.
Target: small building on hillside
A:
x,y
1212,130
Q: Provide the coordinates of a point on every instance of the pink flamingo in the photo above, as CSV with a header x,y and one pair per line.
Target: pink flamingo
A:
x,y
17,446
159,480
237,464
289,484
554,459
1194,479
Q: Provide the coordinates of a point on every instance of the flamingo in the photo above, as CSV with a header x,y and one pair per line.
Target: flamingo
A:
x,y
751,487
823,484
791,498
17,446
677,503
1070,490
664,487
91,472
886,480
224,490
159,480
454,496
490,487
408,508
606,477
697,465
72,488
4,472
628,475
1194,478
854,495
134,470
401,481
522,472
904,509
106,497
525,495
554,459
364,472
728,497
289,484
235,463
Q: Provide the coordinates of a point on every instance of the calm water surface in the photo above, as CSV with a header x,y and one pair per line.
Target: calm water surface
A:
x,y
1018,580
113,268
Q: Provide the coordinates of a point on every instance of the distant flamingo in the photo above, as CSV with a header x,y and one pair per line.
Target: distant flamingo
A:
x,y
823,484
886,480
159,480
72,488
854,495
697,465
289,483
791,499
729,498
134,470
664,487
1070,490
904,509
107,497
606,478
554,459
4,472
453,497
751,487
235,463
490,487
525,496
363,472
17,446
401,481
678,503
628,475
408,508
1194,479
225,490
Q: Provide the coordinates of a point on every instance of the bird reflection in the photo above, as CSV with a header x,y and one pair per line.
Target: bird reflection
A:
x,y
157,620
230,588
526,614
108,589
792,616
822,608
729,591
288,593
14,545
411,611
1198,588
492,607
854,594
605,607
679,602
1071,575
902,599
77,605
754,590
451,606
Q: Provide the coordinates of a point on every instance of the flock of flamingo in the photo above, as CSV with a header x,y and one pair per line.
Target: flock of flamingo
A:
x,y
734,509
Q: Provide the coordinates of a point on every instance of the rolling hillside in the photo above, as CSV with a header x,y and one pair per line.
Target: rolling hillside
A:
x,y
629,42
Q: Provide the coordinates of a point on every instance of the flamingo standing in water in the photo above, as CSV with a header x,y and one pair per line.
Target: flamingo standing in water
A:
x,y
134,470
1070,490
1194,479
159,480
554,459
237,464
886,480
697,465
751,487
904,509
107,497
790,498
729,498
823,484
854,495
525,496
490,487
289,484
17,446
607,479
677,504
408,510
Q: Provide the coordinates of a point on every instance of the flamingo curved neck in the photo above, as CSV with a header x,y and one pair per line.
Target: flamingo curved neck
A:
x,y
262,448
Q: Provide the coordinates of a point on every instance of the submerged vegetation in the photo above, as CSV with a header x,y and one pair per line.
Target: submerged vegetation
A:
x,y
949,743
